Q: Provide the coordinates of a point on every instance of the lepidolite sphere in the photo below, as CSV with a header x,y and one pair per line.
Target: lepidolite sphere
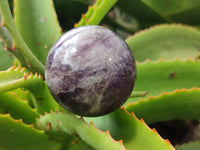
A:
x,y
90,71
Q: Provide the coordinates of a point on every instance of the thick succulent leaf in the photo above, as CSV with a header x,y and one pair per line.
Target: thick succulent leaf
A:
x,y
165,41
19,136
95,13
44,102
38,25
159,76
177,10
7,52
6,37
57,123
179,104
7,59
14,78
134,133
155,11
19,47
24,95
189,146
17,108
142,12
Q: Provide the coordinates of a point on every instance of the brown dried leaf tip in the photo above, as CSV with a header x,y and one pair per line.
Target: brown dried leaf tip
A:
x,y
48,126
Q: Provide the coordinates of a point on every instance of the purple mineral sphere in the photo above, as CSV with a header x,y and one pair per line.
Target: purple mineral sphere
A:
x,y
90,71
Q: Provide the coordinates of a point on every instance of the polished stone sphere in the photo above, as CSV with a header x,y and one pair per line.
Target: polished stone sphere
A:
x,y
90,71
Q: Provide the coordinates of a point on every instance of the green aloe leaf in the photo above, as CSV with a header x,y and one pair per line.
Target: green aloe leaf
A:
x,y
24,95
19,136
7,59
8,54
179,104
177,10
159,76
17,108
189,146
141,11
134,133
38,25
22,51
95,13
43,101
60,122
21,93
165,41
17,77
154,11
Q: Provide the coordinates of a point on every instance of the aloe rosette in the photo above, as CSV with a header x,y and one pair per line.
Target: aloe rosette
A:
x,y
167,61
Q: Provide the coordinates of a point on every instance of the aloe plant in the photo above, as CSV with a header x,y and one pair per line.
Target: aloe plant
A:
x,y
167,75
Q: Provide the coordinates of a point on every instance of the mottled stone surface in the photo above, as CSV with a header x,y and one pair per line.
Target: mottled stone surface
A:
x,y
90,71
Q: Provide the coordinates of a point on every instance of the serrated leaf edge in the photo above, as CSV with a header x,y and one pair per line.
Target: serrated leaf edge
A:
x,y
21,121
90,124
164,25
164,93
154,130
107,132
